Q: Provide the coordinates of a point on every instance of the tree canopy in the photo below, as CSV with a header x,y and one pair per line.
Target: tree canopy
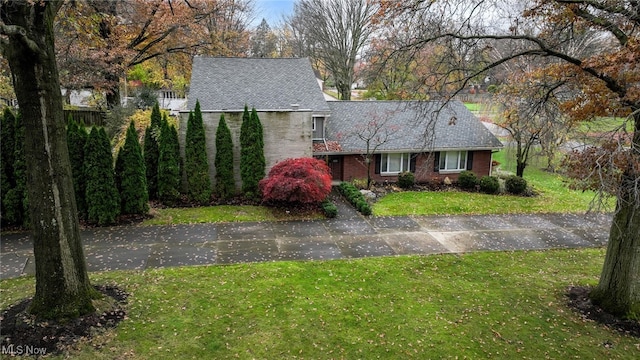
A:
x,y
97,41
336,31
484,37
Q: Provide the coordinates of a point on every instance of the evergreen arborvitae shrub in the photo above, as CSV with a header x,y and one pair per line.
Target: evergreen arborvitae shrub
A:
x,y
131,175
225,182
15,200
515,184
406,180
7,148
245,140
489,184
168,166
467,180
7,159
156,116
13,181
303,180
152,152
20,170
176,149
101,194
196,165
246,159
76,141
261,163
252,160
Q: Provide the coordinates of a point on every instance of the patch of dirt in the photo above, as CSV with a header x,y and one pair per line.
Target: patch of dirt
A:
x,y
580,302
22,334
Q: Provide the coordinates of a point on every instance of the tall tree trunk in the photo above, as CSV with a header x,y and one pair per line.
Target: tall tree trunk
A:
x,y
62,284
520,166
344,90
113,95
619,288
521,159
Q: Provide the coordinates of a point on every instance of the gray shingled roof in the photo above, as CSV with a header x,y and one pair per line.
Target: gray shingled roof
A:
x,y
266,84
452,125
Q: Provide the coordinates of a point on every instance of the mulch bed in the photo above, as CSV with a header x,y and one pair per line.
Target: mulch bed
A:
x,y
579,301
22,334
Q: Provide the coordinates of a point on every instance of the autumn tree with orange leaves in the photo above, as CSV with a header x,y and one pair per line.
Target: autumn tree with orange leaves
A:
x,y
605,80
97,41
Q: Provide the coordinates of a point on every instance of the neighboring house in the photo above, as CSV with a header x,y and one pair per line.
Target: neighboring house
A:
x,y
433,139
284,92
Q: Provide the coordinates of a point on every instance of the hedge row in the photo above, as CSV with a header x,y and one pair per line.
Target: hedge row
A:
x,y
330,209
355,197
490,184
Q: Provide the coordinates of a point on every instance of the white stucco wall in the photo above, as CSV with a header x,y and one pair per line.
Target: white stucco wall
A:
x,y
286,135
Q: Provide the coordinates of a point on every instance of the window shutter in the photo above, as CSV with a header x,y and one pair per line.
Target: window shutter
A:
x,y
412,162
436,163
377,160
469,160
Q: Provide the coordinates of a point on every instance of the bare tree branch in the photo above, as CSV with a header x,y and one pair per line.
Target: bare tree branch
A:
x,y
21,34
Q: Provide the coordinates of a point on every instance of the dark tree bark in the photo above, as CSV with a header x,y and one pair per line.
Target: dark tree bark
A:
x,y
619,288
62,284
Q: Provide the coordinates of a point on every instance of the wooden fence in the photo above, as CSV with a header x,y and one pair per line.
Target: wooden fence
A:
x,y
89,117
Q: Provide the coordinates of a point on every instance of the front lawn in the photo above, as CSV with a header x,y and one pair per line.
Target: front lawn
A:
x,y
479,305
227,213
553,196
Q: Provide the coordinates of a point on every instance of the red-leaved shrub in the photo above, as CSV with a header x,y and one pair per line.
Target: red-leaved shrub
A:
x,y
302,180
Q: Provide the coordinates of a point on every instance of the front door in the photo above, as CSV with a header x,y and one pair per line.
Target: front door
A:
x,y
335,164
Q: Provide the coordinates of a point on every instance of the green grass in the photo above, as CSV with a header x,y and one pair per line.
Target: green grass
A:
x,y
473,106
478,305
604,125
554,196
226,213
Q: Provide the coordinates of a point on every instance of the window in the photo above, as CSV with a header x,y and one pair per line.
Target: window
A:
x,y
453,160
318,128
393,164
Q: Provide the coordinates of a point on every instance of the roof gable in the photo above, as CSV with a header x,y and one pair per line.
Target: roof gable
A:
x,y
264,83
408,125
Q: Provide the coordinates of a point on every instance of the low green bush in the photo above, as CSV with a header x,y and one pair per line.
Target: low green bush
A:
x,y
364,209
406,180
515,184
330,209
467,180
355,197
489,184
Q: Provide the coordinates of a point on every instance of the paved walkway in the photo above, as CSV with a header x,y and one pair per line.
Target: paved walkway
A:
x,y
350,235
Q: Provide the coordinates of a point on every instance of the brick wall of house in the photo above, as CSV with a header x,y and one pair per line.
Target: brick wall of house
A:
x,y
354,168
286,135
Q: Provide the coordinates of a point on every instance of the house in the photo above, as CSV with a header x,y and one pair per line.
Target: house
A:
x,y
433,139
284,92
